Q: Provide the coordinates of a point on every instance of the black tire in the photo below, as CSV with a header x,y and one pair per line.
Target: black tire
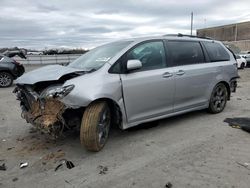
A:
x,y
6,79
218,99
95,126
242,66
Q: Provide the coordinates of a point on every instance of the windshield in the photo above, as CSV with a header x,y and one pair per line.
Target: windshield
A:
x,y
97,57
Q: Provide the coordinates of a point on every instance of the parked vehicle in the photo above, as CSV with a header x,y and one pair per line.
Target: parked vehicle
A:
x,y
9,70
247,58
34,53
241,62
127,83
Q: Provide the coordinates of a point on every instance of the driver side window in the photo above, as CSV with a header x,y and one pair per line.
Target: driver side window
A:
x,y
151,54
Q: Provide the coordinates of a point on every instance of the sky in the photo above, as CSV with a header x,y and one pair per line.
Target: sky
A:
x,y
44,24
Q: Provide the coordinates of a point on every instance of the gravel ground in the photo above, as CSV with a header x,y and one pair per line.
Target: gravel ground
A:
x,y
192,150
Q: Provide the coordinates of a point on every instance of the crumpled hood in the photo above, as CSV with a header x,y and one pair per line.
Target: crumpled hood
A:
x,y
47,73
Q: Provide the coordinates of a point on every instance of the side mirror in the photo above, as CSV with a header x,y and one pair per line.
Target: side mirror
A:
x,y
134,64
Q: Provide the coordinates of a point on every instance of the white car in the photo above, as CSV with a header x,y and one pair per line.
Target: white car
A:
x,y
241,62
34,53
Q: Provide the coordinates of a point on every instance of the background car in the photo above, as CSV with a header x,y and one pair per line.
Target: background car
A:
x,y
247,58
34,53
241,62
9,70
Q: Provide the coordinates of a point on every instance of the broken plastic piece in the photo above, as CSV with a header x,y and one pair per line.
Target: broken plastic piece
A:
x,y
23,165
244,165
3,167
69,164
168,185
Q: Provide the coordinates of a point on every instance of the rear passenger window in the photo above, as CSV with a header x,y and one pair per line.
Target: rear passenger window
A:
x,y
185,52
216,52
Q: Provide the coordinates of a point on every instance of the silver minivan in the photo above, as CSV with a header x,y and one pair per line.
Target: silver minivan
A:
x,y
127,83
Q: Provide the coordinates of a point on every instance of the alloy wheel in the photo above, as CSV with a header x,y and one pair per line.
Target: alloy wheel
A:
x,y
219,98
5,79
104,126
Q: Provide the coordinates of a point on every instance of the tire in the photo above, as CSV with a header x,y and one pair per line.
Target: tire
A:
x,y
6,79
242,66
218,99
95,126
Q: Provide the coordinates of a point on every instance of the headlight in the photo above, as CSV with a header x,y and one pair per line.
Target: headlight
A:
x,y
57,91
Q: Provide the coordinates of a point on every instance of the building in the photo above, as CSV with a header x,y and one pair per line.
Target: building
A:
x,y
237,34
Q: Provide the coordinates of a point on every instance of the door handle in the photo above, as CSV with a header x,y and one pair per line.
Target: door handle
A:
x,y
167,75
180,72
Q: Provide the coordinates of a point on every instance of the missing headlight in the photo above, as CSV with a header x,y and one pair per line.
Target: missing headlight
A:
x,y
57,91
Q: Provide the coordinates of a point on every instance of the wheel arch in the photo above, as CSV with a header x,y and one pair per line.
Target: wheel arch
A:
x,y
116,112
8,71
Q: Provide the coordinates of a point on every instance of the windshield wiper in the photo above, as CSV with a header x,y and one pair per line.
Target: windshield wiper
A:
x,y
91,70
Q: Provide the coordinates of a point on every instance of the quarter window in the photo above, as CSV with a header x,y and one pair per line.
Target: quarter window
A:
x,y
216,52
185,52
151,54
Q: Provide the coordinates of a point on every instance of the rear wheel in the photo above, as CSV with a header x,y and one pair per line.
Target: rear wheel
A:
x,y
218,99
95,126
242,66
6,79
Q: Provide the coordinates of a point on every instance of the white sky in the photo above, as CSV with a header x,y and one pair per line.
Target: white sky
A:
x,y
88,23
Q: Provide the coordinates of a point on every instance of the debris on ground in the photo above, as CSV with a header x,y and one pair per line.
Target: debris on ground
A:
x,y
14,179
54,155
246,165
69,164
65,162
24,165
3,140
239,122
103,169
3,167
10,148
168,185
20,139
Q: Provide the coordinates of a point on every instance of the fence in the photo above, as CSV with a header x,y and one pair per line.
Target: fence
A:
x,y
48,59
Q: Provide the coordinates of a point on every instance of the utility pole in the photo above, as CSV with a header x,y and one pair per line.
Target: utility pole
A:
x,y
236,32
192,15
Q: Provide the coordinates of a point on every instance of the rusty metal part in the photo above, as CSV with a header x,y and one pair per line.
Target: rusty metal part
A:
x,y
46,115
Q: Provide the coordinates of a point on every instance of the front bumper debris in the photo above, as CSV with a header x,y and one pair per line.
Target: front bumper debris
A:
x,y
45,114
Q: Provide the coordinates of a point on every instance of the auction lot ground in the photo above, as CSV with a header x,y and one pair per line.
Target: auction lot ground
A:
x,y
192,150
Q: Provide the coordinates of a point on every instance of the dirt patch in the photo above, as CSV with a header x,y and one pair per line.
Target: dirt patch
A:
x,y
55,156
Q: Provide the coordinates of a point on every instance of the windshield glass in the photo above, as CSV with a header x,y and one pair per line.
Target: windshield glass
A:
x,y
97,57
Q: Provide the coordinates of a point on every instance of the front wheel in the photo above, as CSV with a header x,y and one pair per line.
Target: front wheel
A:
x,y
6,79
95,126
218,99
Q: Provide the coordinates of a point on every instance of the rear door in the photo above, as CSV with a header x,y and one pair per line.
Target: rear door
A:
x,y
149,91
193,75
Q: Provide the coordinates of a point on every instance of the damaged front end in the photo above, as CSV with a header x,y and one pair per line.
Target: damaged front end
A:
x,y
43,109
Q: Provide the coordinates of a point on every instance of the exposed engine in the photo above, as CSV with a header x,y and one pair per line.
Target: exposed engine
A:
x,y
41,106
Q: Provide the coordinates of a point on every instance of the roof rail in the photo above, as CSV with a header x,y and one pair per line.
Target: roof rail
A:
x,y
181,35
